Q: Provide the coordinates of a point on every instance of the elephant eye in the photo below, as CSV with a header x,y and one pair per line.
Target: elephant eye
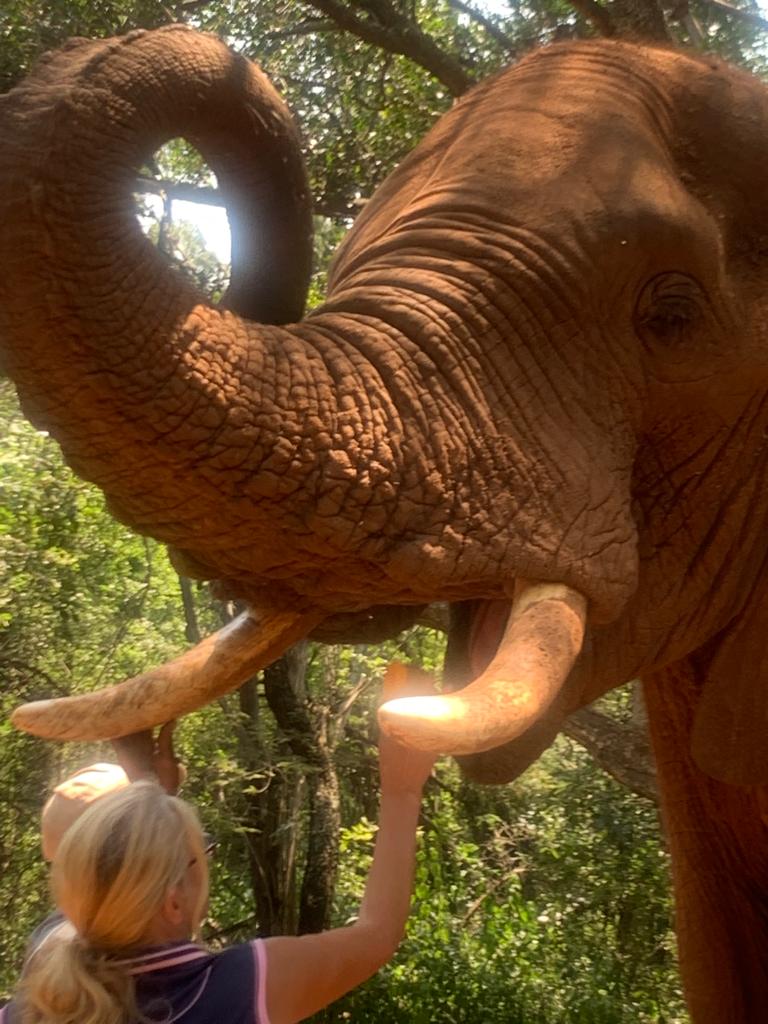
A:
x,y
668,310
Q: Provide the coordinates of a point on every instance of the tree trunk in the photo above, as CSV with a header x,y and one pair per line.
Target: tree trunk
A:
x,y
273,811
621,750
322,860
639,19
191,625
306,732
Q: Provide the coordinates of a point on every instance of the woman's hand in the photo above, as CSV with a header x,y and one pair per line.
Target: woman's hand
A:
x,y
404,769
142,756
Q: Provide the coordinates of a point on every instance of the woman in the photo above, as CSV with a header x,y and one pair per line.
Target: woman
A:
x,y
131,876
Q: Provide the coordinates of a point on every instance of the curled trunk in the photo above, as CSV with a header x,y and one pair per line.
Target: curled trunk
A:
x,y
117,355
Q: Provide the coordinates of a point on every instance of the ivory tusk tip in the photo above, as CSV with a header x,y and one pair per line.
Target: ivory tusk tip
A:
x,y
45,719
531,666
433,709
425,723
215,666
32,717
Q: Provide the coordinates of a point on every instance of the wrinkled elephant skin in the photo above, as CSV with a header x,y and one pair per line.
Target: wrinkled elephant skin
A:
x,y
540,373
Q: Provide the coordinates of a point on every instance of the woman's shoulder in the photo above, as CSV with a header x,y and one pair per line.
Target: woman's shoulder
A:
x,y
237,982
246,959
239,954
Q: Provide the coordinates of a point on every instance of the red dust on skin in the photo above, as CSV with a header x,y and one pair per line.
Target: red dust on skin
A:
x,y
544,355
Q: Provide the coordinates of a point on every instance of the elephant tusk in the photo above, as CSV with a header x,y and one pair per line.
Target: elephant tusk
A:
x,y
541,641
218,664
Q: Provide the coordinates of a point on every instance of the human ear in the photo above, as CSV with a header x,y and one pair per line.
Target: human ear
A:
x,y
174,906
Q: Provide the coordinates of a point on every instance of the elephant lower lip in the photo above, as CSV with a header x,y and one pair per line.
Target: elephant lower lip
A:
x,y
485,632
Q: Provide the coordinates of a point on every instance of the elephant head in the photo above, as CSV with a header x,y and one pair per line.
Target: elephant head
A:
x,y
539,375
538,390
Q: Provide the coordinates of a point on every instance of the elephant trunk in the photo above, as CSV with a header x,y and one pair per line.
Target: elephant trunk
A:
x,y
114,352
218,435
78,130
110,347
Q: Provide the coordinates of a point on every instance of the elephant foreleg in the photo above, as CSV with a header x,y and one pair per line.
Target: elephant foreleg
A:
x,y
718,838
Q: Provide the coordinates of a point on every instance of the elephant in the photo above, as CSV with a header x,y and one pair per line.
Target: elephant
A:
x,y
537,390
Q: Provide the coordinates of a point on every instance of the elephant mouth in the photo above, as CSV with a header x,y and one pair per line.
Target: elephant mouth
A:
x,y
518,659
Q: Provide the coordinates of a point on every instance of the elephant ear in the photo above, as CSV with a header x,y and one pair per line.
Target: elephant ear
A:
x,y
730,733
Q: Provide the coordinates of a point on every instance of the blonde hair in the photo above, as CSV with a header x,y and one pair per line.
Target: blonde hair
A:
x,y
112,872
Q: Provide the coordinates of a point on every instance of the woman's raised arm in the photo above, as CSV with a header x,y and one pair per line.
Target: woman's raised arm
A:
x,y
306,973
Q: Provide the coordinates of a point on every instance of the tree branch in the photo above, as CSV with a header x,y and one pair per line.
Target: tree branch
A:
x,y
207,195
681,13
24,668
180,190
304,28
392,31
640,19
214,934
739,12
493,30
623,751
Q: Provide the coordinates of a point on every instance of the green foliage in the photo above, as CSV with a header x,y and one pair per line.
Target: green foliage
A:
x,y
183,242
30,27
360,109
76,583
77,596
733,38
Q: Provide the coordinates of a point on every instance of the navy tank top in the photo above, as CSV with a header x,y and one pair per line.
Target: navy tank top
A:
x,y
183,983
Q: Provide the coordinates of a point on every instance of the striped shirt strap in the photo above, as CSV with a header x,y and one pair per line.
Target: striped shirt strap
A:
x,y
260,978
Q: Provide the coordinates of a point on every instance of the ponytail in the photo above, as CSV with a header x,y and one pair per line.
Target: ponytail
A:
x,y
69,983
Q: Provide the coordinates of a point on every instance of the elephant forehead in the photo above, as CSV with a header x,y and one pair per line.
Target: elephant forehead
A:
x,y
579,126
533,125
